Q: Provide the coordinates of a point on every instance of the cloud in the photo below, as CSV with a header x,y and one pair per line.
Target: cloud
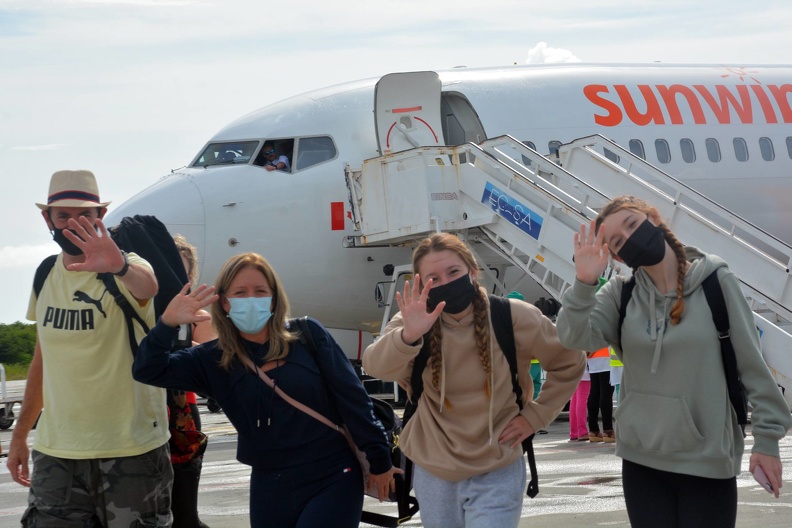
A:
x,y
25,256
542,54
54,146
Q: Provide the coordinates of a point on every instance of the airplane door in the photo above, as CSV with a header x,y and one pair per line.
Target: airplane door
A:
x,y
407,111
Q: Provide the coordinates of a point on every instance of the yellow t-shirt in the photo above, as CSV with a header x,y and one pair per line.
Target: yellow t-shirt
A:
x,y
92,406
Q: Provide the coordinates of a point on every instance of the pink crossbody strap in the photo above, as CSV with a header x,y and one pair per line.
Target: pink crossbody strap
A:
x,y
288,399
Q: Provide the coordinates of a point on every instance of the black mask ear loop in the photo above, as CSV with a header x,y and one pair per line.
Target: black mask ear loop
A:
x,y
51,222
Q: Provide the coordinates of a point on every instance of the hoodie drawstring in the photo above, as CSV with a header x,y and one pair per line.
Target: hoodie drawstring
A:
x,y
655,332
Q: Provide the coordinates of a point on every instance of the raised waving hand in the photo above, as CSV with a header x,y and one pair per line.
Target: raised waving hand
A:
x,y
101,253
591,253
189,307
412,303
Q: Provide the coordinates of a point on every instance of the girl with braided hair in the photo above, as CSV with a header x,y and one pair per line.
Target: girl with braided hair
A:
x,y
465,435
678,435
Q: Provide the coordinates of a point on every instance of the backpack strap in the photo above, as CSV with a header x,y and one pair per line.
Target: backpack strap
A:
x,y
416,381
42,272
303,333
626,293
500,314
720,316
130,315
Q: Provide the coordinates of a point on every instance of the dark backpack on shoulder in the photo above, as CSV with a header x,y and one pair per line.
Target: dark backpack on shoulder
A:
x,y
500,314
406,503
720,316
147,237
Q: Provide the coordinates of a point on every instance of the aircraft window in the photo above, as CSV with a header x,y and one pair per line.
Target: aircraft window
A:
x,y
529,144
283,147
552,147
611,156
688,150
314,150
713,150
766,147
663,151
789,147
637,148
740,149
227,153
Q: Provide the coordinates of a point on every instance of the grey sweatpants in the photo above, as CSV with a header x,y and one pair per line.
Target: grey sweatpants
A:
x,y
491,500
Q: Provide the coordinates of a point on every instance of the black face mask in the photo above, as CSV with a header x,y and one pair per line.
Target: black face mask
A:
x,y
66,245
645,247
457,294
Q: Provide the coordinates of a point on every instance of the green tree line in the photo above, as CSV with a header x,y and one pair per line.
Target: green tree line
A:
x,y
17,342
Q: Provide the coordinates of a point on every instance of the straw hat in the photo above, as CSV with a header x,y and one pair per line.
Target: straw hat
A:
x,y
75,188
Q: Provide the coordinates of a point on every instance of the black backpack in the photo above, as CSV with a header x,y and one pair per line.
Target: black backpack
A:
x,y
406,503
500,314
720,316
147,237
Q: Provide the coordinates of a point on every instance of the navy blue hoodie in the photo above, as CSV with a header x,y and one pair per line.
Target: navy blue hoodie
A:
x,y
272,433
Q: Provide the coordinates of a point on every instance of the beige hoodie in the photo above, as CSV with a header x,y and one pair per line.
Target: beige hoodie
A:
x,y
462,441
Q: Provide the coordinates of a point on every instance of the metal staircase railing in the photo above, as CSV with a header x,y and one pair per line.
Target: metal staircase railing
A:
x,y
526,208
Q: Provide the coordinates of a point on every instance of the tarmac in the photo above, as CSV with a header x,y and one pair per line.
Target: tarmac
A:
x,y
579,484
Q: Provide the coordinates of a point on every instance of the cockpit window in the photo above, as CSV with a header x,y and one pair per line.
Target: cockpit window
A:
x,y
238,152
314,150
276,154
281,154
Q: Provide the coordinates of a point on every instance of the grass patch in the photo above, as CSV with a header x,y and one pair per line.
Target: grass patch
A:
x,y
16,372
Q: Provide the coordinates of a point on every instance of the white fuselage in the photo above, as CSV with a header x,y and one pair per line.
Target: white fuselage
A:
x,y
300,220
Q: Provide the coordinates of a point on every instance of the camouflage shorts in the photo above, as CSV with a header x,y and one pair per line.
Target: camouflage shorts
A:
x,y
109,492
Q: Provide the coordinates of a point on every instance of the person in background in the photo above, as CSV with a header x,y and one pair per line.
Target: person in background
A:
x,y
186,476
679,439
304,473
95,419
465,435
272,160
578,405
600,399
616,368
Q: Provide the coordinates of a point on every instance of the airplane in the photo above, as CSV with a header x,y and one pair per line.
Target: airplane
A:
x,y
724,130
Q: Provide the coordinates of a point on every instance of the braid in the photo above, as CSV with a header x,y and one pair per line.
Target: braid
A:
x,y
435,357
679,251
481,328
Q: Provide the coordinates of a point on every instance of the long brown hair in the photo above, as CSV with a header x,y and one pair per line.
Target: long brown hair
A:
x,y
443,242
229,339
636,204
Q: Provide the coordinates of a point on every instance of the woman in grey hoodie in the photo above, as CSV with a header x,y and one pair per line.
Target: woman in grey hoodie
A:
x,y
676,430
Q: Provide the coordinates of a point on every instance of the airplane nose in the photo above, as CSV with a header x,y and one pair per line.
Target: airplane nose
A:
x,y
175,201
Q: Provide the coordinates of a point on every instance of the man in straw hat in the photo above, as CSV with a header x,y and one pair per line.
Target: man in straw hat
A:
x,y
100,456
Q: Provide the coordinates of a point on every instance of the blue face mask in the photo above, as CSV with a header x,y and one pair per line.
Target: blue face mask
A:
x,y
250,314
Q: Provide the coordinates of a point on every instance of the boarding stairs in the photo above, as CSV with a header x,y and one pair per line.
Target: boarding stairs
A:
x,y
525,208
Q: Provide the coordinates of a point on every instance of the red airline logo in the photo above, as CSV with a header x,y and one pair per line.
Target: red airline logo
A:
x,y
660,104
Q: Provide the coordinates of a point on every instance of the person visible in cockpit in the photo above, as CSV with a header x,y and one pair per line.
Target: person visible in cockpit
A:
x,y
272,160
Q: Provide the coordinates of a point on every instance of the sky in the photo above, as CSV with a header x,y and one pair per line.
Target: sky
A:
x,y
131,89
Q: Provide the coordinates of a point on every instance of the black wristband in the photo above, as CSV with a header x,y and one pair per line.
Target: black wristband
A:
x,y
126,265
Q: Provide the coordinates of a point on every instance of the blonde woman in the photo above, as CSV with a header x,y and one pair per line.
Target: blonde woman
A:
x,y
303,473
